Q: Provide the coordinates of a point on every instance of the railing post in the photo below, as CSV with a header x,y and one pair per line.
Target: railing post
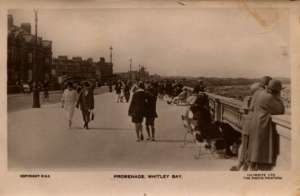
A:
x,y
218,110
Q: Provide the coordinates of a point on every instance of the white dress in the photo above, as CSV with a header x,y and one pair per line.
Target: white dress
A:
x,y
69,99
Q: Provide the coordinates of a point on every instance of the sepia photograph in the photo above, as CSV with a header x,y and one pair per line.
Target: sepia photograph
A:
x,y
148,89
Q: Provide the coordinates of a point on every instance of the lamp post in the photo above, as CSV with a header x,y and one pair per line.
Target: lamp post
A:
x,y
140,72
111,49
35,85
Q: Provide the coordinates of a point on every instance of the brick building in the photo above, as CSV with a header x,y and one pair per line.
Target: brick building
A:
x,y
21,54
73,67
104,70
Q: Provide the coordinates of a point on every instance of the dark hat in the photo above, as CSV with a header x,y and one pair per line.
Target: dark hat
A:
x,y
86,83
275,85
69,84
264,81
141,85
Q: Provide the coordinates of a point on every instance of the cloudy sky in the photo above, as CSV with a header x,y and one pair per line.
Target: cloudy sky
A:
x,y
216,42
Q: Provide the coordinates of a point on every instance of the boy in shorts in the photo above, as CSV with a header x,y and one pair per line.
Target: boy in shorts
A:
x,y
150,112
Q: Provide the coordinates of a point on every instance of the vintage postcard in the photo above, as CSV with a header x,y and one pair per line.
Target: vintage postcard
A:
x,y
150,98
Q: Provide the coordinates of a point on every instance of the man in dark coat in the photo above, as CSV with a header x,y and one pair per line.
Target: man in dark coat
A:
x,y
150,112
262,150
86,103
137,110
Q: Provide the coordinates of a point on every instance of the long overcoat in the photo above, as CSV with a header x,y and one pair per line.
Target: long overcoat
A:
x,y
262,135
137,107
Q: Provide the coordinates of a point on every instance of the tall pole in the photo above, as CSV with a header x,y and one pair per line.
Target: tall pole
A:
x,y
36,93
139,72
111,48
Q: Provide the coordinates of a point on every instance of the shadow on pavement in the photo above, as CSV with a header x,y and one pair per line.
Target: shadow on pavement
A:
x,y
172,141
106,129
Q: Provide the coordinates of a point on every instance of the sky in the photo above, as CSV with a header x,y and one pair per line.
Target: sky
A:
x,y
209,42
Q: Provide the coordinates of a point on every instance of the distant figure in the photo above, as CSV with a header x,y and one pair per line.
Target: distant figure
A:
x,y
118,88
137,110
127,91
68,102
86,103
263,144
150,112
181,97
46,91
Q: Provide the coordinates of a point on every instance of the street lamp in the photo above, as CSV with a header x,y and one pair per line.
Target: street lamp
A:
x,y
111,49
36,93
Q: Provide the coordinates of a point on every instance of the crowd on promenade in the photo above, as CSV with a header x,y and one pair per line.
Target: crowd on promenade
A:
x,y
258,140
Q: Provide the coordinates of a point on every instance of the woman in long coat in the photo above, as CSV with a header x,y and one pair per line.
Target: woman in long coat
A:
x,y
262,150
137,110
68,102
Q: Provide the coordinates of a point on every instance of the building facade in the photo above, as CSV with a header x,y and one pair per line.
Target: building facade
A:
x,y
73,67
23,50
104,70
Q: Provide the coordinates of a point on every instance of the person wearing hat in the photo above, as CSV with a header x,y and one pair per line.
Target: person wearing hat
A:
x,y
264,81
137,109
181,98
86,103
199,86
150,111
262,136
247,108
68,102
118,88
200,109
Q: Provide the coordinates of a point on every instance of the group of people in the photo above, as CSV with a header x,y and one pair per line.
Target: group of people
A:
x,y
81,97
122,89
259,139
143,106
28,87
259,144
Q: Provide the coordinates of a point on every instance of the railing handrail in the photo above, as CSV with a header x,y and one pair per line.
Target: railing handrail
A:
x,y
283,120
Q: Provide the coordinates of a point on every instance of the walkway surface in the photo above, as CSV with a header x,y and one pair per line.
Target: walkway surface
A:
x,y
40,139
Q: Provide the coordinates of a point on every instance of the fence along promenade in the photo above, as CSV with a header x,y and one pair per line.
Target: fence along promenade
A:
x,y
229,110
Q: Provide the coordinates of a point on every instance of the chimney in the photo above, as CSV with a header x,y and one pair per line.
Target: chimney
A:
x,y
26,27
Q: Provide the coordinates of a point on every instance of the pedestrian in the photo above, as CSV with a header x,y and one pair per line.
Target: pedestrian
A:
x,y
118,88
263,144
68,102
150,111
137,110
127,91
86,103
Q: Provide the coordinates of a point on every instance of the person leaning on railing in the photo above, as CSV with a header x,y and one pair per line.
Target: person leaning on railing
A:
x,y
262,149
249,103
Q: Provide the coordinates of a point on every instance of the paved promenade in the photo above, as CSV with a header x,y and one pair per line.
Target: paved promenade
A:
x,y
40,139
